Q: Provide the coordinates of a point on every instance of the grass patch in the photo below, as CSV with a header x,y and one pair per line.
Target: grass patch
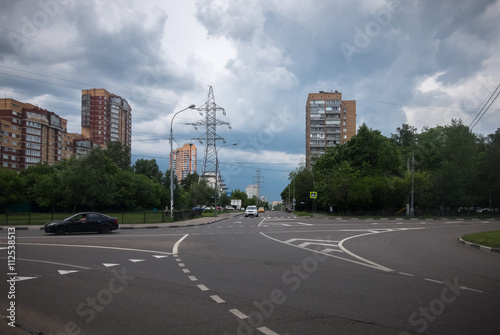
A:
x,y
488,238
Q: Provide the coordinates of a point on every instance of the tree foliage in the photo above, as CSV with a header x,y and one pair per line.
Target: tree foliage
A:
x,y
371,173
12,187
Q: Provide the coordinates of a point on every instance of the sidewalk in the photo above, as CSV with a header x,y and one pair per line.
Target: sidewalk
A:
x,y
186,223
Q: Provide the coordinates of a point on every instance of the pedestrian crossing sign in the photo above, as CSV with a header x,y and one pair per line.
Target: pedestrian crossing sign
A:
x,y
313,195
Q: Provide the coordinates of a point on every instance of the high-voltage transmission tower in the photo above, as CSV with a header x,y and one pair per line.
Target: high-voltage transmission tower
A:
x,y
210,122
258,182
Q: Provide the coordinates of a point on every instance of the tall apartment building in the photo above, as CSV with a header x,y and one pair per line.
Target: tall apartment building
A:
x,y
30,135
252,191
184,161
106,117
329,121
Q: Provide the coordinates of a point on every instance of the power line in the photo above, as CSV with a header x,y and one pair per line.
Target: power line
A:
x,y
480,115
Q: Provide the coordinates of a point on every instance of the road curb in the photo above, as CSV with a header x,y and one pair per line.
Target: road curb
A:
x,y
478,246
125,227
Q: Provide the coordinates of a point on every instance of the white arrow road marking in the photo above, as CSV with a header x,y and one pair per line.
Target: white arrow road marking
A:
x,y
305,244
363,262
160,256
110,264
136,260
309,239
65,272
23,278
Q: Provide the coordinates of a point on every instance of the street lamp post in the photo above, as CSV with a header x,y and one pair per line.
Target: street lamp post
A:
x,y
172,165
217,173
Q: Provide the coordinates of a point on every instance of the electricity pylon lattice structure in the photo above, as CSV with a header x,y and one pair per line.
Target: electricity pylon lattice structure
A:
x,y
259,182
210,122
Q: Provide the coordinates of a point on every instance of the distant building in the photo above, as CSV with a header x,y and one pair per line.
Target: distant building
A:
x,y
252,191
106,117
184,161
30,135
330,121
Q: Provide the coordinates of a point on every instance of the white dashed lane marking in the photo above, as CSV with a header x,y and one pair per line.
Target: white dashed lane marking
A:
x,y
217,299
238,314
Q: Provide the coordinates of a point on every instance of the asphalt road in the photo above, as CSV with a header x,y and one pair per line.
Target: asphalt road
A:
x,y
275,274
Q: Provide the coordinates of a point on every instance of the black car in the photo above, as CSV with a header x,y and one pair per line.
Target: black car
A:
x,y
83,223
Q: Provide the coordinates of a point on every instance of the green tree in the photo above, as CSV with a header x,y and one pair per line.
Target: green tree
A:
x,y
189,180
372,153
12,187
147,192
125,190
201,193
335,187
405,136
149,168
491,172
88,182
42,185
301,184
455,182
118,154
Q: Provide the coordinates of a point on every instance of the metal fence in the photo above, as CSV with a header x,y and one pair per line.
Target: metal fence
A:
x,y
38,218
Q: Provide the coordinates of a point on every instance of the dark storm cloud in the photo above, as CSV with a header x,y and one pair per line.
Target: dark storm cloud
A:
x,y
86,46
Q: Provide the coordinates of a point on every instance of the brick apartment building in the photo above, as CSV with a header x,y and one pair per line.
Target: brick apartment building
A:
x,y
106,117
184,160
329,121
29,135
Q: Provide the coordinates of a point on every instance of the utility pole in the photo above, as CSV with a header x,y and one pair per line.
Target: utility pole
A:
x,y
412,209
190,158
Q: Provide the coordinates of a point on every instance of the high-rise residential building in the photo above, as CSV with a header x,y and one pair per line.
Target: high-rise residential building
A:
x,y
106,117
184,161
330,121
252,191
30,135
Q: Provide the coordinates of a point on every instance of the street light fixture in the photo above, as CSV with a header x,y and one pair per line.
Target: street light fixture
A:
x,y
172,165
217,174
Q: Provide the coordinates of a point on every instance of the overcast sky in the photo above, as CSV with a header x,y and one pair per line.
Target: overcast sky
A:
x,y
418,62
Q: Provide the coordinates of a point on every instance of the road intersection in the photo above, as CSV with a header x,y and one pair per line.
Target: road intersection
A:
x,y
275,274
